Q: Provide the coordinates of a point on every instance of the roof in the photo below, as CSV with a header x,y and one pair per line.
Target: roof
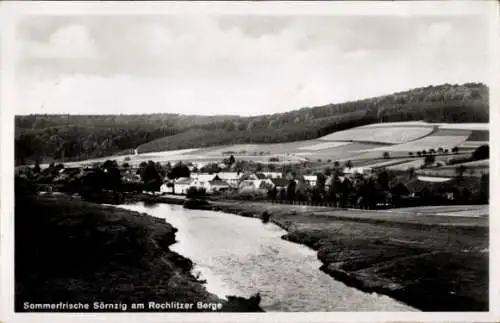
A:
x,y
183,180
229,175
206,177
273,174
353,170
218,183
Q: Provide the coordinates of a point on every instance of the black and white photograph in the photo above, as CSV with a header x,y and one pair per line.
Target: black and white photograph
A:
x,y
248,157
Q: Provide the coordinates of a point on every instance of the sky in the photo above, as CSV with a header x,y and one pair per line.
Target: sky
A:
x,y
234,64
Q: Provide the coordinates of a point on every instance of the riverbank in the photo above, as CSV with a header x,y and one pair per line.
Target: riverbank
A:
x,y
68,250
433,263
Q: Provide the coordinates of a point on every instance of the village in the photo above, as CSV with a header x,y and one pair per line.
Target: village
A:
x,y
337,185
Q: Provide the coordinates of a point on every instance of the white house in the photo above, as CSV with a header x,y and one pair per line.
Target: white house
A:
x,y
256,184
218,186
181,185
232,178
273,174
357,170
204,177
311,180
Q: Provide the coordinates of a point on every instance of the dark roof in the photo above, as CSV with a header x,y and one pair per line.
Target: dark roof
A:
x,y
218,182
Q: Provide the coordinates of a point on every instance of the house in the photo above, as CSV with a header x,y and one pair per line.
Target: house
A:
x,y
357,170
204,177
256,184
218,186
273,174
130,177
248,176
231,178
311,180
180,186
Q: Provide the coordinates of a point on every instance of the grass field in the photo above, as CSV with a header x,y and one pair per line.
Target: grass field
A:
x,y
415,163
390,135
426,143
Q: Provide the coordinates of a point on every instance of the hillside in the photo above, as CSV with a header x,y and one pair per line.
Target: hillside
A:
x,y
39,136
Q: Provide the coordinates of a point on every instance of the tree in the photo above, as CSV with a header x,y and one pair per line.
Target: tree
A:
x,y
481,152
36,168
272,193
383,180
432,151
454,150
112,178
336,164
411,172
460,170
410,154
179,170
441,150
419,153
320,183
385,155
333,188
151,177
348,164
231,160
484,188
429,160
290,191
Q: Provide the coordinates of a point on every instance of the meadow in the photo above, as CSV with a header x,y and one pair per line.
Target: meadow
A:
x,y
364,146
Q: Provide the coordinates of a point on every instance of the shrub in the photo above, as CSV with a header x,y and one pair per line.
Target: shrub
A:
x,y
196,192
482,152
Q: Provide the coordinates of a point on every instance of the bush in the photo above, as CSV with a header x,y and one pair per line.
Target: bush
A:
x,y
482,152
195,192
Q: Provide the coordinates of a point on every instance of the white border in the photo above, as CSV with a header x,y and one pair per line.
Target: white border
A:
x,y
10,10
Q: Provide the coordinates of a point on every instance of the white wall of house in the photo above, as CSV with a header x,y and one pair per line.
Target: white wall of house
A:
x,y
311,179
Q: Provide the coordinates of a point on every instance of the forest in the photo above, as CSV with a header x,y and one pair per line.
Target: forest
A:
x,y
47,138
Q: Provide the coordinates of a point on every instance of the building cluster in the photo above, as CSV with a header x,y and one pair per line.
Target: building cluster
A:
x,y
224,182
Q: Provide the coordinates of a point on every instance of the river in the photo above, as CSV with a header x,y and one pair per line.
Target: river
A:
x,y
241,256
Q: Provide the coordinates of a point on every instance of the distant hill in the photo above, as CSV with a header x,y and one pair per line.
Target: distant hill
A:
x,y
443,103
58,137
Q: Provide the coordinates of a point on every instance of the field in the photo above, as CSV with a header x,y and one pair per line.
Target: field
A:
x,y
433,179
416,163
434,141
473,169
362,145
389,135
